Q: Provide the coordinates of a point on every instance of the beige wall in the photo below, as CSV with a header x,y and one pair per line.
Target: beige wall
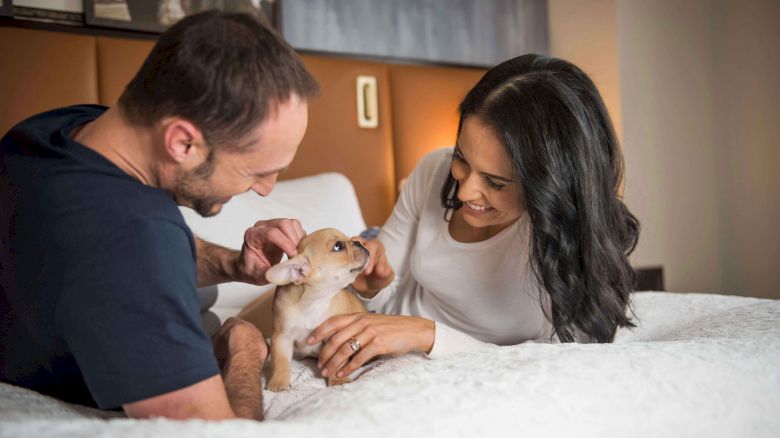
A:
x,y
693,88
597,54
747,92
669,140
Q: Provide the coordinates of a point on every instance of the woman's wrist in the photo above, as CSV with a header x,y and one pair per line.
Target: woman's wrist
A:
x,y
427,336
367,294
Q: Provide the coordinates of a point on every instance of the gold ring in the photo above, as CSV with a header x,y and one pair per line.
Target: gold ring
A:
x,y
354,344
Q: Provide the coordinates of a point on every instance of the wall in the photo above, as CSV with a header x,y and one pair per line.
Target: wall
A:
x,y
700,110
584,32
748,130
669,140
691,87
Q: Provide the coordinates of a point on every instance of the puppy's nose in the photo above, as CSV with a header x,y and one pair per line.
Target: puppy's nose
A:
x,y
360,246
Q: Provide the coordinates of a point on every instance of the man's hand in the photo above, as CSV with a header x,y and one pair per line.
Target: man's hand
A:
x,y
241,350
235,336
377,274
264,245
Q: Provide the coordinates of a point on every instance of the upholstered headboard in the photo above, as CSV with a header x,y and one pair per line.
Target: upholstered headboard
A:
x,y
44,69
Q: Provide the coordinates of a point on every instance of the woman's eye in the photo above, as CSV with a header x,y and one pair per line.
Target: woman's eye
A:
x,y
339,246
494,185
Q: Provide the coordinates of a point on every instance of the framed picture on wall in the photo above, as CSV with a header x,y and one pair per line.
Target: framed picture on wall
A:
x,y
6,9
155,16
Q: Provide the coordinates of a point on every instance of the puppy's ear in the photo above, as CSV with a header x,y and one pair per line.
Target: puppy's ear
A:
x,y
293,270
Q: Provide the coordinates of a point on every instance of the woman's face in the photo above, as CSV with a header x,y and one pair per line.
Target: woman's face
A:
x,y
488,188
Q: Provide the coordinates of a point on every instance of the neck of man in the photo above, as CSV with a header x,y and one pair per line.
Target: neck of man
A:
x,y
130,148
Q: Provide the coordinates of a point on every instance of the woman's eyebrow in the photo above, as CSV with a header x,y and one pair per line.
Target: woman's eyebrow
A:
x,y
500,178
490,175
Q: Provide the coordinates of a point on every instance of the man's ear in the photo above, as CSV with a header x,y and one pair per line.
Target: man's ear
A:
x,y
293,270
183,141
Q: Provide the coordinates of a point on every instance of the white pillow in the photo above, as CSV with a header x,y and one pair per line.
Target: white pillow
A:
x,y
320,201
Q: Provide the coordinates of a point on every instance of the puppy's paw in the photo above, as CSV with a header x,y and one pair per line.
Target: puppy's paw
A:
x,y
276,384
333,380
280,379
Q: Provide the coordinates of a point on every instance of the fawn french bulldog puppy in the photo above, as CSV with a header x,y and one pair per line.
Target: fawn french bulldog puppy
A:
x,y
310,289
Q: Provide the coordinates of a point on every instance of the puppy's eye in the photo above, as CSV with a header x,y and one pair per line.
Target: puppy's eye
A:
x,y
339,246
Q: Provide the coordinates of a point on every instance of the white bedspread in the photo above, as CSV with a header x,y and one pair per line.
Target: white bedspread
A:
x,y
698,365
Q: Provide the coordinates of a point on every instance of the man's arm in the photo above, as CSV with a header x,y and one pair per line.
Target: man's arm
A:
x,y
241,351
206,399
264,245
216,264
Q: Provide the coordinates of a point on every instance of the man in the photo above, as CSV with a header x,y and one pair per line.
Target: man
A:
x,y
98,273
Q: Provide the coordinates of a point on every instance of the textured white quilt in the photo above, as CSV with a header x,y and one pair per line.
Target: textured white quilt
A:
x,y
698,365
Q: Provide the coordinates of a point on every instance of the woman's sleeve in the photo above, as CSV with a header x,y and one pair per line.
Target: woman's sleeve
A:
x,y
399,232
449,341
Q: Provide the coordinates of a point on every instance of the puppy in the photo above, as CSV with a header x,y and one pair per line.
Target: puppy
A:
x,y
310,289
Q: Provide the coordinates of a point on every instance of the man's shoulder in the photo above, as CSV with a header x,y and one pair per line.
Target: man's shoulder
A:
x,y
93,213
40,127
150,215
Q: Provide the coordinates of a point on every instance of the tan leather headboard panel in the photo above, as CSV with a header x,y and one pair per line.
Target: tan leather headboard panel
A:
x,y
425,110
118,60
44,70
334,142
53,69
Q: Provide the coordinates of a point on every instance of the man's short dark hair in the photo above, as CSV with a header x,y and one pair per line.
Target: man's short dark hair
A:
x,y
221,71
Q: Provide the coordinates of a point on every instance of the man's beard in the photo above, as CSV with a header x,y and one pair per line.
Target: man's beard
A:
x,y
193,189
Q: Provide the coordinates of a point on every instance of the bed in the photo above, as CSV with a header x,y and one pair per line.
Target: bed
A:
x,y
696,365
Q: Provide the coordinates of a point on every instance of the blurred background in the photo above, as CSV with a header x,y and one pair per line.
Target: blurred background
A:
x,y
692,87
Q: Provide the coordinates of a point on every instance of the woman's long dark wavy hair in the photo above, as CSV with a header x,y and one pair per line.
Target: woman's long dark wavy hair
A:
x,y
556,131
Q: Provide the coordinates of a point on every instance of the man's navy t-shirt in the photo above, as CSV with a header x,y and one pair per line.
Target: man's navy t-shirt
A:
x,y
98,302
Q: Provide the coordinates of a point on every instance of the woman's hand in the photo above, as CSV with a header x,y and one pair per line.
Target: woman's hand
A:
x,y
377,274
377,335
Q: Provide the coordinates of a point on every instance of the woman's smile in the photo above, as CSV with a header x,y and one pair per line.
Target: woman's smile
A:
x,y
476,209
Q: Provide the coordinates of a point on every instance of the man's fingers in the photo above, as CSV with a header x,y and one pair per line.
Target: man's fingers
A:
x,y
282,241
230,322
299,231
263,348
292,229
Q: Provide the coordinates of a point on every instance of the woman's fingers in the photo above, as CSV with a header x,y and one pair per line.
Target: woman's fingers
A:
x,y
375,251
382,267
340,358
359,359
376,335
330,326
339,339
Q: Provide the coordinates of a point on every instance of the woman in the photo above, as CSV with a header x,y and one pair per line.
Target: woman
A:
x,y
517,234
